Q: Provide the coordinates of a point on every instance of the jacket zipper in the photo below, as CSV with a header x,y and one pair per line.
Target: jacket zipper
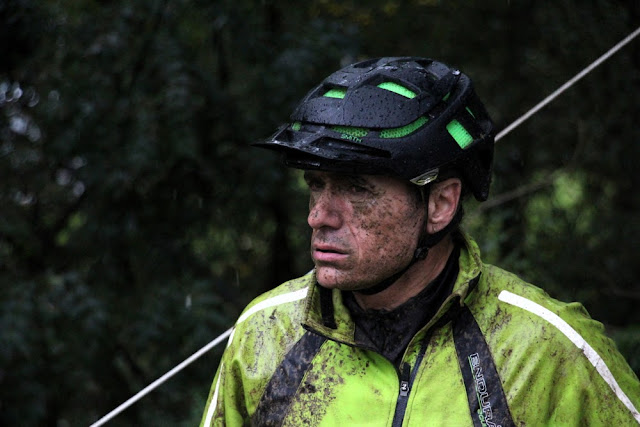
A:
x,y
403,396
407,376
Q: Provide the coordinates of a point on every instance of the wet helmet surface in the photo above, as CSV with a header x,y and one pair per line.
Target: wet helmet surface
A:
x,y
408,117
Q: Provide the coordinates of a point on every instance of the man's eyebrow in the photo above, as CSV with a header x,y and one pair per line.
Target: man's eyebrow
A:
x,y
307,175
359,180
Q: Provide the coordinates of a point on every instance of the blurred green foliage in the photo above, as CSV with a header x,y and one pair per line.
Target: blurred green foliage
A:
x,y
135,221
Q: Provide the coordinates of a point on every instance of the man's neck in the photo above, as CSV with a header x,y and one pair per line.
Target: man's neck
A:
x,y
419,276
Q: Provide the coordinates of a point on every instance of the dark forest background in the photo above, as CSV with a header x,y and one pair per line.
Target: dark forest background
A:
x,y
136,222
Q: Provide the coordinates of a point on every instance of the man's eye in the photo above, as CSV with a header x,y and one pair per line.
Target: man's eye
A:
x,y
314,184
358,189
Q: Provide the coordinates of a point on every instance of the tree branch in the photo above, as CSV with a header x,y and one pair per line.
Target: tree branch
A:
x,y
516,193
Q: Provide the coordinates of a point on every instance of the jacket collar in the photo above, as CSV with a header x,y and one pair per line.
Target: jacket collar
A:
x,y
326,314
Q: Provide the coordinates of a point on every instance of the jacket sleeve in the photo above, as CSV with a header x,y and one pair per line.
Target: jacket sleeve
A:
x,y
599,386
570,372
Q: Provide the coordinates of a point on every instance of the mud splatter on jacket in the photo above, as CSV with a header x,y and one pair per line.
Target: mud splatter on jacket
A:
x,y
498,352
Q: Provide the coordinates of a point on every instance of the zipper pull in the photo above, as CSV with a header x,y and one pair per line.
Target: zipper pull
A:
x,y
405,374
404,388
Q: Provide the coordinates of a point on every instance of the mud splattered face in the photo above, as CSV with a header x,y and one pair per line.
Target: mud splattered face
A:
x,y
365,228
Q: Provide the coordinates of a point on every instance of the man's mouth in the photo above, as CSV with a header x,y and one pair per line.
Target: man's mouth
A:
x,y
326,253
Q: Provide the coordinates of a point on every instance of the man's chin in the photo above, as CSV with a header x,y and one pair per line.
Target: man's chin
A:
x,y
331,278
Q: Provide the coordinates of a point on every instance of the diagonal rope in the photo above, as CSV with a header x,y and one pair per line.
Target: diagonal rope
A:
x,y
568,84
499,136
162,379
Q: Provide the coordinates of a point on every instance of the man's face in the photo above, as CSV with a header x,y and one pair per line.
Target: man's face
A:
x,y
365,227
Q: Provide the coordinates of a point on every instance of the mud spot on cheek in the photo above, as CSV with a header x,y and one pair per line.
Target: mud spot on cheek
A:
x,y
372,214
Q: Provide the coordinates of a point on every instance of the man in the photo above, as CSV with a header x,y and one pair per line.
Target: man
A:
x,y
400,323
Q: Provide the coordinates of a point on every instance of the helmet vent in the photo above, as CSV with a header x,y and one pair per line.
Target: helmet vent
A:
x,y
403,130
399,89
336,92
459,134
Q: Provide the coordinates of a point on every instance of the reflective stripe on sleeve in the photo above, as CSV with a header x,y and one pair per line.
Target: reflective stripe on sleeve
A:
x,y
593,357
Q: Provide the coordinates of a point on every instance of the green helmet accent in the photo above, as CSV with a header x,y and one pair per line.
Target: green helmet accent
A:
x,y
355,132
336,93
399,89
404,130
460,134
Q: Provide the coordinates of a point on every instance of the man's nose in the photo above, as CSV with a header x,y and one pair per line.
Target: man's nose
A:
x,y
325,210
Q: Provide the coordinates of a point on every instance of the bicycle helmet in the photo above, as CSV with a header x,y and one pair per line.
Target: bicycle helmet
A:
x,y
402,116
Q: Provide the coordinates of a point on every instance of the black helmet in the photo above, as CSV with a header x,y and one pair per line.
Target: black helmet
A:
x,y
407,117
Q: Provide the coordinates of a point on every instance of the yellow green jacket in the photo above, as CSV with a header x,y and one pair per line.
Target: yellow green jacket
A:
x,y
499,352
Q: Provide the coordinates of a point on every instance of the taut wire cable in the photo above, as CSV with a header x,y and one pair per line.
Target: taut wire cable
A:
x,y
568,84
499,136
162,379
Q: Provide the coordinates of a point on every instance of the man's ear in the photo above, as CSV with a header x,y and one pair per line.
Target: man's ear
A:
x,y
444,198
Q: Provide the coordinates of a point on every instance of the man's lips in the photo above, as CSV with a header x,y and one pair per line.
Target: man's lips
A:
x,y
327,253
